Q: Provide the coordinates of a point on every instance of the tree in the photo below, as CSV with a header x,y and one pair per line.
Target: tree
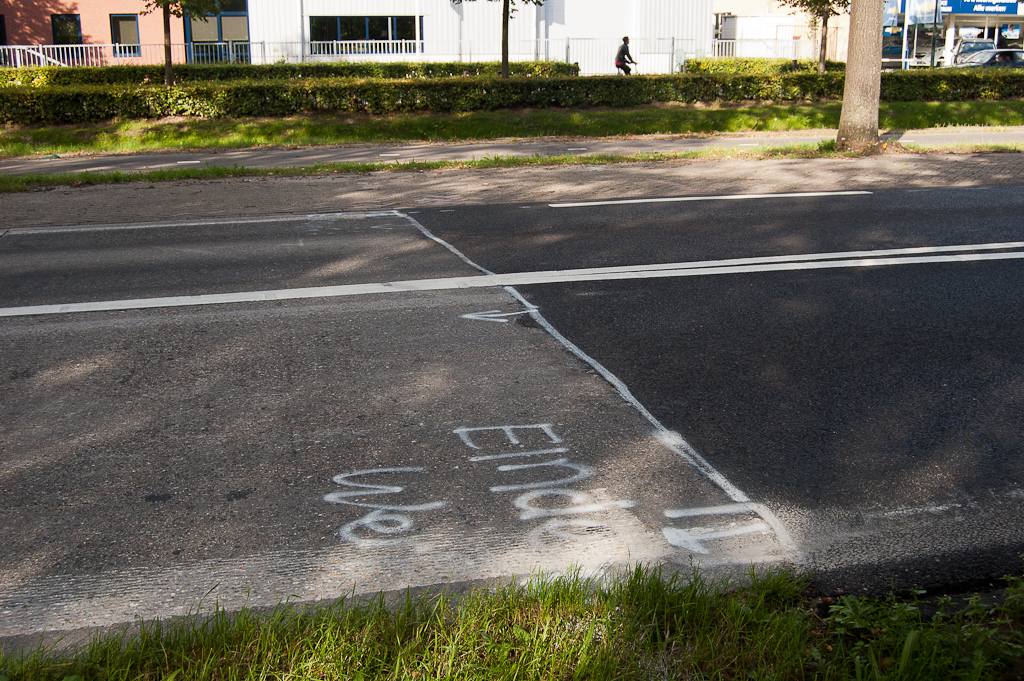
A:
x,y
858,121
506,13
179,8
823,10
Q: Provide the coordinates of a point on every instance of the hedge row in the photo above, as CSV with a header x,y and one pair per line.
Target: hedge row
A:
x,y
758,66
278,98
195,74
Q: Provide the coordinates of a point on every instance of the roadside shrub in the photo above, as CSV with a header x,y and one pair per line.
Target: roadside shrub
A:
x,y
85,103
758,66
952,85
214,73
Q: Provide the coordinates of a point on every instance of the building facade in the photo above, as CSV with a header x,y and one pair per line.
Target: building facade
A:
x,y
662,32
908,37
82,22
769,28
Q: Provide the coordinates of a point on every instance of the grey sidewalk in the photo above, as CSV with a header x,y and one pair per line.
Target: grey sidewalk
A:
x,y
239,197
417,151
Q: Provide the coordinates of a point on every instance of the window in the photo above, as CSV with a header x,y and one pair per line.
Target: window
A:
x,y
67,29
404,28
204,29
3,30
326,30
377,28
124,33
220,37
234,28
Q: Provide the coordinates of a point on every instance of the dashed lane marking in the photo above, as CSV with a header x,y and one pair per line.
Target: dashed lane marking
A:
x,y
724,197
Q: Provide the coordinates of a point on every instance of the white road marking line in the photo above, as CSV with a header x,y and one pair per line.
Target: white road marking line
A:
x,y
676,270
493,316
196,223
389,154
188,162
576,149
748,145
727,197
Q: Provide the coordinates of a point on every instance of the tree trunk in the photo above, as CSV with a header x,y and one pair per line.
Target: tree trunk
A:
x,y
858,122
168,69
824,45
504,39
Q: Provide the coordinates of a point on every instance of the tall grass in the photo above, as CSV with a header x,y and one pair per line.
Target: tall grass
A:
x,y
641,624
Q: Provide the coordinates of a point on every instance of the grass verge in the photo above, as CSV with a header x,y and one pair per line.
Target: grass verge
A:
x,y
641,625
137,136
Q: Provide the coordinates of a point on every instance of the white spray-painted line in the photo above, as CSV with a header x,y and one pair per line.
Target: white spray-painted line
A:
x,y
212,222
508,431
486,281
725,197
517,455
669,438
493,316
188,162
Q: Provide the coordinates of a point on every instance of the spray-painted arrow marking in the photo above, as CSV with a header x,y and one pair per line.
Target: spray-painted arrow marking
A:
x,y
493,316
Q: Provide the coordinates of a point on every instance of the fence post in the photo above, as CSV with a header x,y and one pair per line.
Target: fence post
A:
x,y
567,43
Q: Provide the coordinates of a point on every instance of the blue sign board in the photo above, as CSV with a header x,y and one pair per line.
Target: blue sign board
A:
x,y
973,7
957,7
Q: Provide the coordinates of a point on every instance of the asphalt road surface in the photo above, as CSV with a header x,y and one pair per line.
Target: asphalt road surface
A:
x,y
250,411
300,407
854,362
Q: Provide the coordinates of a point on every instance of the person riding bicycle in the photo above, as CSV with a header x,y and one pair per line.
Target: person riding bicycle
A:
x,y
623,58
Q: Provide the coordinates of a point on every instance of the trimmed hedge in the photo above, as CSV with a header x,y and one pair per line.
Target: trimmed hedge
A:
x,y
758,66
195,74
86,103
53,105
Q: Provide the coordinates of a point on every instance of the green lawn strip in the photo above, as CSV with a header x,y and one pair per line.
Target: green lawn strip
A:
x,y
128,136
640,625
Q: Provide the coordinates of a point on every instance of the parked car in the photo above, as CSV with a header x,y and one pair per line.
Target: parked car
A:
x,y
1004,58
969,46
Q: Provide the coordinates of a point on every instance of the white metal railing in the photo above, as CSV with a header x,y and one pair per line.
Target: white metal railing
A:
x,y
363,47
594,56
803,48
16,56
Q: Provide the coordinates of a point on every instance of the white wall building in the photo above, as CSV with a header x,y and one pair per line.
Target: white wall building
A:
x,y
662,32
769,28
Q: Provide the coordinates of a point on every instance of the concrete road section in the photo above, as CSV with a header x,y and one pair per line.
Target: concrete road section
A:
x,y
159,461
325,400
850,358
